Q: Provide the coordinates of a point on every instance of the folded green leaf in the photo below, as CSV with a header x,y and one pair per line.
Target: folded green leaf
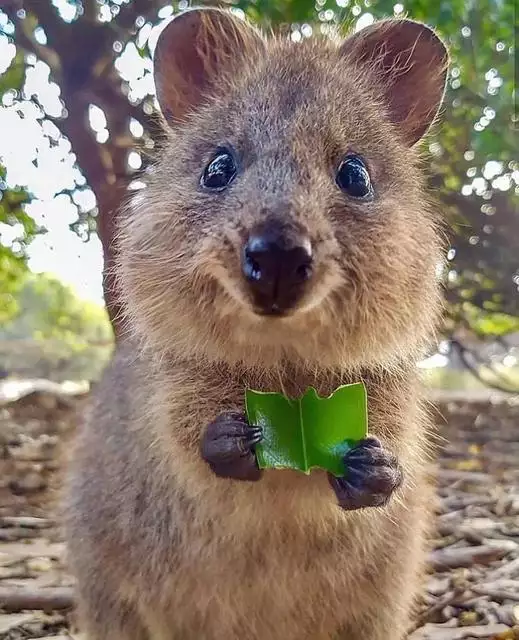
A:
x,y
309,431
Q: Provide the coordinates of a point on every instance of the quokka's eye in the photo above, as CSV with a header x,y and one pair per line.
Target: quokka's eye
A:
x,y
353,178
220,172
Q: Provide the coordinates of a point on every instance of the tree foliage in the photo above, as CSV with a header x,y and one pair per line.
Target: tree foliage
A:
x,y
12,255
12,214
471,157
53,333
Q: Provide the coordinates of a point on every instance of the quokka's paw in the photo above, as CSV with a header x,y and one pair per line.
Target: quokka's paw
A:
x,y
372,476
228,447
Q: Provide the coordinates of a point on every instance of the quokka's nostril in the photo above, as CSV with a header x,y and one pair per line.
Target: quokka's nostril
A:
x,y
304,271
251,268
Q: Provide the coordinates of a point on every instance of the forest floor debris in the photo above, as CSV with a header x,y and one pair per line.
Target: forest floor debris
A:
x,y
473,584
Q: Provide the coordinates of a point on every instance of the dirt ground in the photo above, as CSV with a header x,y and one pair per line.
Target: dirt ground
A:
x,y
473,585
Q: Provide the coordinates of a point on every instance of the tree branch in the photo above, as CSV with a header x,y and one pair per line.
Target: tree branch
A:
x,y
49,19
463,351
91,10
145,8
28,43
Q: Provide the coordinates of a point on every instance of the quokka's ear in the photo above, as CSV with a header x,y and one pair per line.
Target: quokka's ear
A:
x,y
409,64
195,52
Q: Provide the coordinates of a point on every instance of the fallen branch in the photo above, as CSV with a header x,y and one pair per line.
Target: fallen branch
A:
x,y
496,594
13,600
453,475
449,598
458,557
435,632
28,522
456,502
505,571
12,622
12,534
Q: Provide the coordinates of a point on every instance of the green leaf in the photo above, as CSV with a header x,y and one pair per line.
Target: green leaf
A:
x,y
309,431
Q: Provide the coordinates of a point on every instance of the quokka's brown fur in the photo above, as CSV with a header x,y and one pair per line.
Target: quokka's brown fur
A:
x,y
163,549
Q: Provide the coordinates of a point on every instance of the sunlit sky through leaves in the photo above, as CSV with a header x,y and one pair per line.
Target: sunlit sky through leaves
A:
x,y
25,136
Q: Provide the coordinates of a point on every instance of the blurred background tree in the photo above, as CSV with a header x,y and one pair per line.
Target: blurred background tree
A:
x,y
53,334
98,54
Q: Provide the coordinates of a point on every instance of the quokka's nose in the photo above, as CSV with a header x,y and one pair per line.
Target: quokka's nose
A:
x,y
277,269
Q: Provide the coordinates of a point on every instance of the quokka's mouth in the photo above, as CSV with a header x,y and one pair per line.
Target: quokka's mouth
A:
x,y
273,312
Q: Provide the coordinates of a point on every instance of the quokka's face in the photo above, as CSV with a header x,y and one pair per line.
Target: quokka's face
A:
x,y
285,215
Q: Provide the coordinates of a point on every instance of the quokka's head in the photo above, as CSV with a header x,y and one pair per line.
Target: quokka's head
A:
x,y
285,216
